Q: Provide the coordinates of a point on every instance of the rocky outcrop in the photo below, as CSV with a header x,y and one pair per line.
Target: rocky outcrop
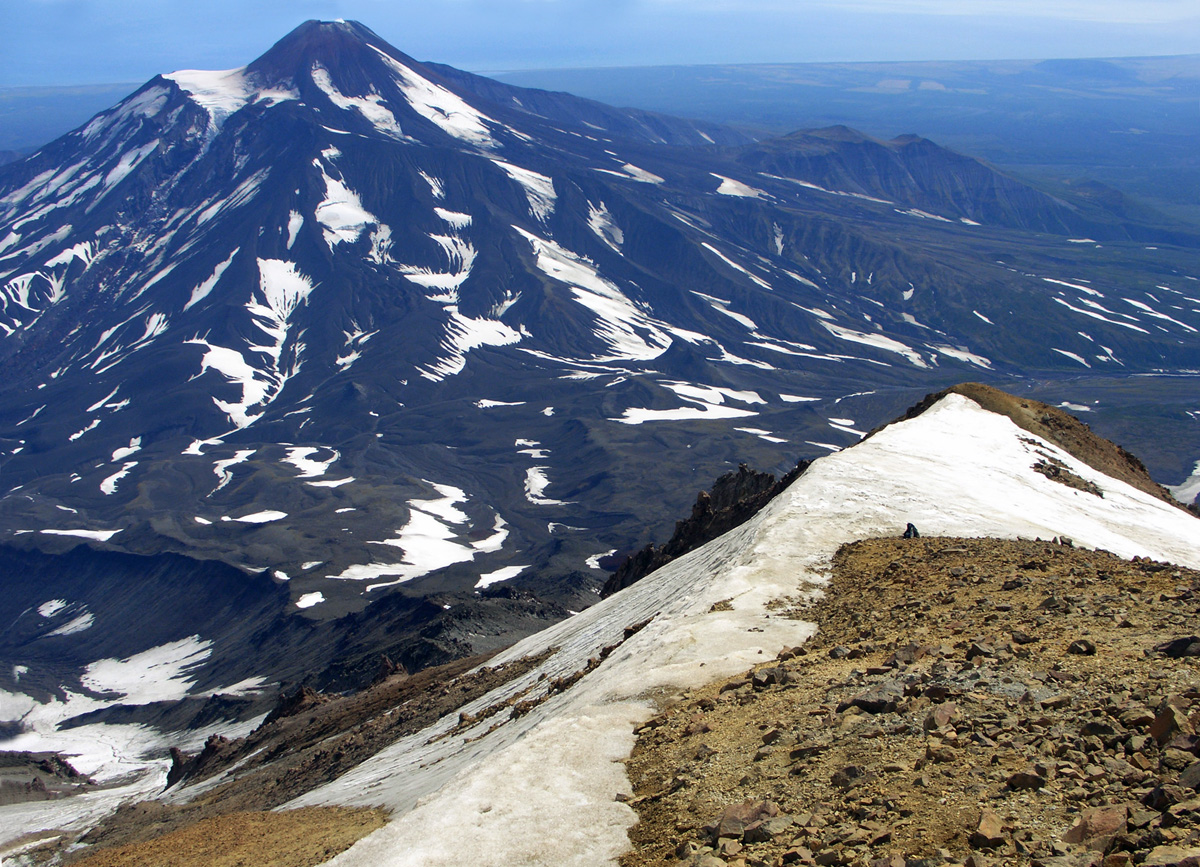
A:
x,y
290,704
216,750
735,498
26,776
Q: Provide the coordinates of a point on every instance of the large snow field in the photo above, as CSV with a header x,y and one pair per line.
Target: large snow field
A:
x,y
129,761
540,790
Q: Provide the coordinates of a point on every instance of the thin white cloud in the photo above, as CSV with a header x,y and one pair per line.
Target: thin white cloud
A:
x,y
1097,11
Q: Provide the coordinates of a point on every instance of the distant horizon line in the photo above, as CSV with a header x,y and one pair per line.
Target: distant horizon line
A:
x,y
714,64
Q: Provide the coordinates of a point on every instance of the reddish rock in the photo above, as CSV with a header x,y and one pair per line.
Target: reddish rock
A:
x,y
736,817
1190,778
1173,856
989,833
798,855
697,725
772,735
729,848
1170,720
1096,828
941,716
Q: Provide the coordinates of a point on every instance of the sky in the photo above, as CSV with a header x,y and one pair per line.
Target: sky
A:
x,y
62,42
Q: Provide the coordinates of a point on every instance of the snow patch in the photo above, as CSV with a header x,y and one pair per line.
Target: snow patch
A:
x,y
430,540
301,458
371,107
95,535
463,334
264,517
730,187
223,92
878,341
295,222
202,291
764,435
487,579
81,623
536,483
963,355
282,290
1085,289
453,218
109,485
602,224
709,403
308,600
1071,355
127,164
51,608
629,170
1189,489
923,215
539,189
732,264
435,185
593,562
341,213
630,334
460,256
221,469
161,673
135,445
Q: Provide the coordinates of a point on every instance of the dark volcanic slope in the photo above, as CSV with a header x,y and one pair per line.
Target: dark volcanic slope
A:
x,y
385,330
918,172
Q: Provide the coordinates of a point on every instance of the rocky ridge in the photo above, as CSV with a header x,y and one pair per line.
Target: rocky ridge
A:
x,y
966,701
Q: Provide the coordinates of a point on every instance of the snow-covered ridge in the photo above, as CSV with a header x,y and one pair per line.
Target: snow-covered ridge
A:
x,y
540,789
442,107
226,91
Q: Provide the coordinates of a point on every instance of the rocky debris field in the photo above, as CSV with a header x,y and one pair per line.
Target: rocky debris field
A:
x,y
28,776
966,701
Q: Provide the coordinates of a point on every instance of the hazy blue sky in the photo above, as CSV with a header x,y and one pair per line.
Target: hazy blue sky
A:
x,y
93,41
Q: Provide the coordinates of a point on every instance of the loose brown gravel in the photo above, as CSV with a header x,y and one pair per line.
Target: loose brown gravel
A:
x,y
980,631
